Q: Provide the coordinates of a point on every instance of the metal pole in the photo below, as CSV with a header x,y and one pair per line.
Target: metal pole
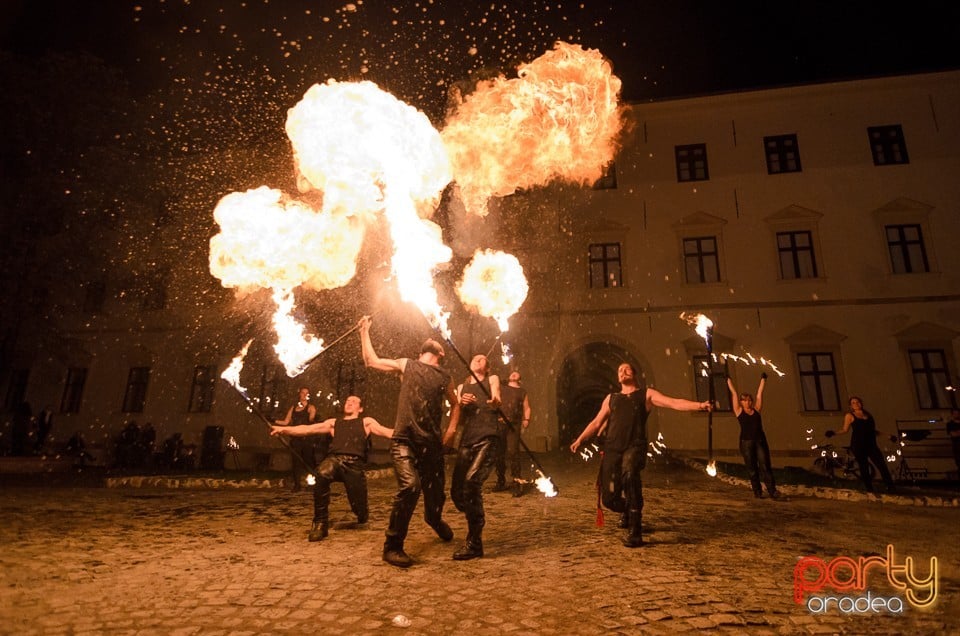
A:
x,y
711,393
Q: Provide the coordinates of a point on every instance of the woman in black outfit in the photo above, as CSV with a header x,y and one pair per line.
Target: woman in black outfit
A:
x,y
863,444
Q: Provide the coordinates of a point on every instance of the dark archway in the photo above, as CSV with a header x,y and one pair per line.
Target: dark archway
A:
x,y
587,375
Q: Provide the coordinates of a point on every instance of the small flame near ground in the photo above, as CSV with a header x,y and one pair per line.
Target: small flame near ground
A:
x,y
545,486
712,468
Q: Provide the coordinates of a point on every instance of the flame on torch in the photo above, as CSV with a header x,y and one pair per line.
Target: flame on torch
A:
x,y
232,373
544,485
294,349
712,468
494,285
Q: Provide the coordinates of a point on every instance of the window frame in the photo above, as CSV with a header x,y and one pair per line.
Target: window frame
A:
x,y
202,388
686,162
700,255
795,251
904,251
883,147
937,397
135,394
605,260
719,371
833,373
73,387
781,154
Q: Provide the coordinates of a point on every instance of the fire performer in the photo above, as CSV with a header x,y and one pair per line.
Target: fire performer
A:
x,y
344,463
297,415
863,444
478,452
516,407
417,449
625,449
753,441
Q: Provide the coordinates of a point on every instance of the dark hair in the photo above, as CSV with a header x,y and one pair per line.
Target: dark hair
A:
x,y
629,364
744,396
432,346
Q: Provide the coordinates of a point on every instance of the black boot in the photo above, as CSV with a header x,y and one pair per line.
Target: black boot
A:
x,y
634,538
472,549
394,555
443,531
624,520
318,531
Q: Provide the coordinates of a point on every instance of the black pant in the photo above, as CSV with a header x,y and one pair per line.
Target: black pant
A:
x,y
349,470
756,457
474,464
509,453
864,455
417,468
620,479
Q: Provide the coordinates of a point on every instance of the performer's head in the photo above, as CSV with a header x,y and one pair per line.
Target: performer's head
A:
x,y
626,373
303,394
433,347
746,399
514,377
352,406
856,404
479,364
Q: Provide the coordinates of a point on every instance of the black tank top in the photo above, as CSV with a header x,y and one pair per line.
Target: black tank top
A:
x,y
864,434
479,419
511,403
349,438
420,405
751,426
300,417
628,421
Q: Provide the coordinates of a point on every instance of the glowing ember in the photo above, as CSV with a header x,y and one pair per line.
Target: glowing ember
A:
x,y
494,285
232,373
657,446
559,119
587,452
712,468
545,486
232,444
748,359
311,480
293,348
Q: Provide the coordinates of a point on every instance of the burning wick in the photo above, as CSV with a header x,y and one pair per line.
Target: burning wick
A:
x,y
232,444
712,468
311,480
545,486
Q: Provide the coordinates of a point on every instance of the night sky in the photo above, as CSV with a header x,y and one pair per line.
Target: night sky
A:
x,y
660,49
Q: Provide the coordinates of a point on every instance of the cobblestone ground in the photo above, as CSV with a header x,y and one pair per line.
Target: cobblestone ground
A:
x,y
236,561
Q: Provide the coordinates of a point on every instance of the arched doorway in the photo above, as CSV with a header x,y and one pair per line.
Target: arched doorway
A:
x,y
587,375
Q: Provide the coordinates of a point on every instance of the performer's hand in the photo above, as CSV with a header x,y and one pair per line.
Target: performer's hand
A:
x,y
574,446
364,323
276,430
468,398
763,376
893,438
829,433
706,406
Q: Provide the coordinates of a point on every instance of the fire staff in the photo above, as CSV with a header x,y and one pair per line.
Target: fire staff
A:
x,y
417,449
344,463
625,450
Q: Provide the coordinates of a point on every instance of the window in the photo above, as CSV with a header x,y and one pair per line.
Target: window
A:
x,y
797,259
782,154
16,388
201,392
73,390
94,295
701,260
273,385
692,163
887,145
703,372
931,377
135,396
818,382
609,179
605,265
907,253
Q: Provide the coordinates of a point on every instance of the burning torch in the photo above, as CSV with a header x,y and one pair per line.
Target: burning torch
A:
x,y
704,328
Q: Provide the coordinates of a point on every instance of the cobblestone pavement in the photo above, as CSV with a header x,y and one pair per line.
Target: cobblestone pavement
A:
x,y
236,561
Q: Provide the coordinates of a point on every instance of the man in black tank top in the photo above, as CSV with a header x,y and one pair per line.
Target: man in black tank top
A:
x,y
301,449
753,441
624,415
478,452
516,407
417,449
344,462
